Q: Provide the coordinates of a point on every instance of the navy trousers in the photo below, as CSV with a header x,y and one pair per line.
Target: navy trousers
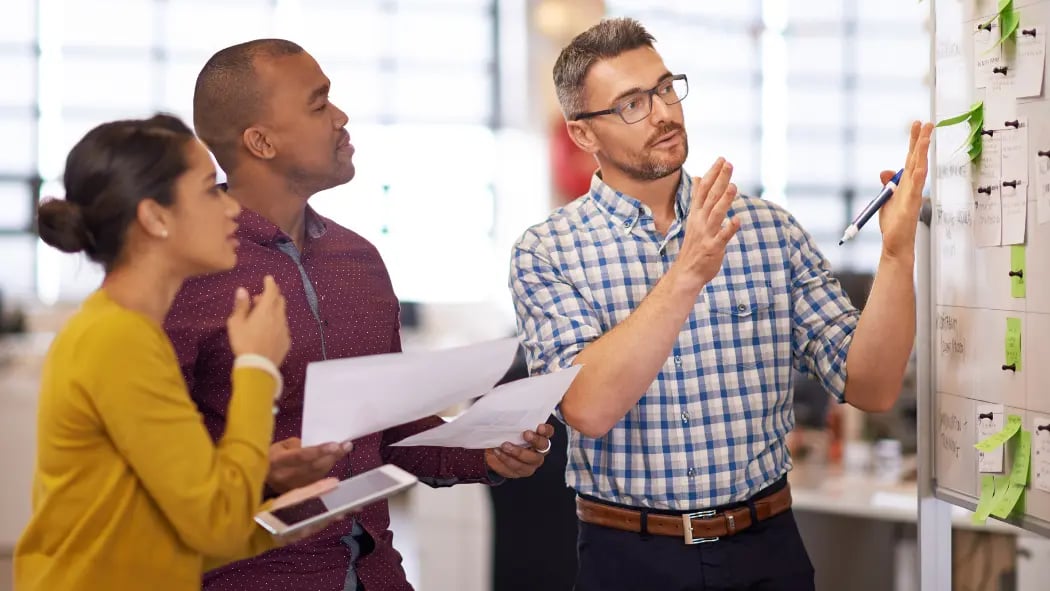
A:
x,y
768,556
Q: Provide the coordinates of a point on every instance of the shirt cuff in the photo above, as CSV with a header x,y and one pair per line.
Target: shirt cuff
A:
x,y
257,361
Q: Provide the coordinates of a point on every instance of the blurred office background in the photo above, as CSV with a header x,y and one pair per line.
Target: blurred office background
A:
x,y
460,147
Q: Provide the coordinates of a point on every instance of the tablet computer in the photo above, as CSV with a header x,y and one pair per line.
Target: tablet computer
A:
x,y
353,493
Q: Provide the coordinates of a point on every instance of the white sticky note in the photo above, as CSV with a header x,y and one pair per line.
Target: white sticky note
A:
x,y
1030,60
1041,453
1000,107
991,419
1041,186
1015,214
1014,185
988,216
986,53
1014,153
990,163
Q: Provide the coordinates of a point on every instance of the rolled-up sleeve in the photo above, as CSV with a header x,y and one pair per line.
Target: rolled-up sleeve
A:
x,y
554,320
823,318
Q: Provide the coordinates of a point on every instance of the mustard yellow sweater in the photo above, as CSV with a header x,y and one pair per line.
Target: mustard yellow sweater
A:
x,y
129,490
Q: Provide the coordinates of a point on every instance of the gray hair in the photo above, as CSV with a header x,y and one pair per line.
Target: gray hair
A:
x,y
227,98
607,39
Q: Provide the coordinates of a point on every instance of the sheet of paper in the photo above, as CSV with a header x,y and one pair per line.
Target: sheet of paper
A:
x,y
990,423
990,165
988,216
1030,60
1013,145
985,501
1041,186
986,52
1015,214
1013,345
501,415
1041,453
1017,271
349,398
1000,105
1014,153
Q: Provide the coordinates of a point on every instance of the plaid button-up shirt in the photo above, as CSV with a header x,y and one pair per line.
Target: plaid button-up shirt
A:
x,y
711,428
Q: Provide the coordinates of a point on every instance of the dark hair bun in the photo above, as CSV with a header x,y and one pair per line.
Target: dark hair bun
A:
x,y
61,224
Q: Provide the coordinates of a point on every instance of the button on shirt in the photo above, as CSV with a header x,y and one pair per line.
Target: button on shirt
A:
x,y
711,428
339,303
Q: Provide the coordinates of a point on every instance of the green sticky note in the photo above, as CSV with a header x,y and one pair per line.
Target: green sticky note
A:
x,y
1004,504
1013,424
1017,271
974,151
1022,459
1009,19
1013,343
975,117
976,111
984,503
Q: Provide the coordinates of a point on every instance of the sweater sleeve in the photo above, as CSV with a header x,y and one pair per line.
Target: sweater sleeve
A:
x,y
208,492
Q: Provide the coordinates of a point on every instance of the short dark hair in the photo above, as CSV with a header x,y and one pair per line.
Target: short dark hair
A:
x,y
227,98
108,173
607,39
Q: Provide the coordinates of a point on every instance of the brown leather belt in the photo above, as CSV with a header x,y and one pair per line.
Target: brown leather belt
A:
x,y
693,528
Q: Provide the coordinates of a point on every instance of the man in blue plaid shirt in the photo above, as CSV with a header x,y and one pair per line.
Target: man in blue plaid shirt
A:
x,y
688,305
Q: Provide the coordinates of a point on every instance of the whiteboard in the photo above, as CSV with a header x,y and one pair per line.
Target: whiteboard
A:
x,y
970,288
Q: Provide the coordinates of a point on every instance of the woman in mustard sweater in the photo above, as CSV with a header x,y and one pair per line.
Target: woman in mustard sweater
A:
x,y
129,490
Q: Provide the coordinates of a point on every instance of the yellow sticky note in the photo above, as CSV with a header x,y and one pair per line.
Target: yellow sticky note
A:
x,y
1017,271
1013,343
984,504
1022,459
1013,424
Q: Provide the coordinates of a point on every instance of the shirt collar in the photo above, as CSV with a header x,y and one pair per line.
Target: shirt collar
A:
x,y
255,228
626,211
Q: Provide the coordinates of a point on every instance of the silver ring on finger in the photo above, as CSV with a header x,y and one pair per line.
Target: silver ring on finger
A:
x,y
546,450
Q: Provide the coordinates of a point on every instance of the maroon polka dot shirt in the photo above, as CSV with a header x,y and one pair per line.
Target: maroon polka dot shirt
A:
x,y
356,314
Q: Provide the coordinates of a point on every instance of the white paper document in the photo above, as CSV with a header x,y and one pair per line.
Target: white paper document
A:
x,y
988,216
1014,191
1041,453
1000,109
987,195
501,415
349,398
990,420
987,53
1042,185
1030,60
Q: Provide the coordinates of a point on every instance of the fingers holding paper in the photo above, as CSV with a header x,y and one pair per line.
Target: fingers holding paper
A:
x,y
516,461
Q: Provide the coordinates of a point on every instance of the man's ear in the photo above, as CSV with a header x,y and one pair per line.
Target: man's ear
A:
x,y
258,143
583,136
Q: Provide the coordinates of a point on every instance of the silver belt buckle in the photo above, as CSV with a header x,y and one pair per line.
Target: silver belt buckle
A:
x,y
687,529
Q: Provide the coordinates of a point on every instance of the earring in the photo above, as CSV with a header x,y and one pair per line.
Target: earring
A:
x,y
164,233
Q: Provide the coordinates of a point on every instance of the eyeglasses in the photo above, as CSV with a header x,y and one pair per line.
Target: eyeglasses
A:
x,y
636,107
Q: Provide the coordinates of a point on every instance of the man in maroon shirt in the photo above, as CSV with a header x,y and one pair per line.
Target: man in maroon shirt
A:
x,y
263,109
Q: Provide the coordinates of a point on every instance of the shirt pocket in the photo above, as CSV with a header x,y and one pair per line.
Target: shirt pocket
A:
x,y
741,316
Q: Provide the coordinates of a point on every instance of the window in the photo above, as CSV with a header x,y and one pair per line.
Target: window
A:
x,y
421,101
809,100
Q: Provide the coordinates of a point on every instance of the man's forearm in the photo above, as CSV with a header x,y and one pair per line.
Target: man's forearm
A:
x,y
883,340
621,365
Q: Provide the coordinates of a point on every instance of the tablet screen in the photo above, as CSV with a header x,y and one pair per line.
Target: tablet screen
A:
x,y
347,493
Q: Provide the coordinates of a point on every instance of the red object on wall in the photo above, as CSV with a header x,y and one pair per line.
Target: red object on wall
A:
x,y
571,167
